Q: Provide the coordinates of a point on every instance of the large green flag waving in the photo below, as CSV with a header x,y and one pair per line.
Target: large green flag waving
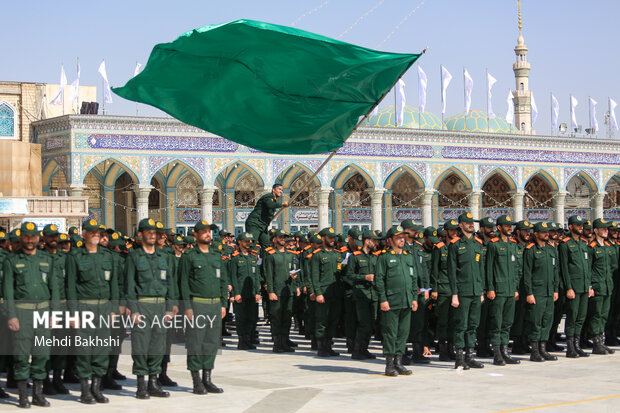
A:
x,y
272,88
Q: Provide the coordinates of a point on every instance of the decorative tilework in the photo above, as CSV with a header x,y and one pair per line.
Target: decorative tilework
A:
x,y
209,170
221,163
144,170
62,162
570,172
418,167
510,170
80,140
257,164
279,165
161,143
76,168
466,170
88,161
55,143
269,171
386,150
608,174
335,167
195,163
529,171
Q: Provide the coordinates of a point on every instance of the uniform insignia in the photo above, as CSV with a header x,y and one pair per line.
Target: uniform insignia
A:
x,y
454,240
235,253
478,239
316,250
566,239
440,245
271,251
106,275
593,244
30,226
529,246
357,253
494,239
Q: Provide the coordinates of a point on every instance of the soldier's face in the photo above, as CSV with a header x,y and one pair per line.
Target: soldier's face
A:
x,y
51,241
576,229
280,241
329,241
179,248
91,237
524,235
104,239
148,237
411,234
587,233
369,244
277,191
487,231
245,245
65,246
451,233
601,232
29,242
203,236
505,230
613,234
553,235
398,241
467,227
161,239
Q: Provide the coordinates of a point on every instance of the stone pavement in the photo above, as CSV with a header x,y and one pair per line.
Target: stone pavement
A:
x,y
261,381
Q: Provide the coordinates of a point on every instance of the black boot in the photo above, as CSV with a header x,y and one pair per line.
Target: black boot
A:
x,y
598,347
322,348
498,358
48,388
285,344
22,389
418,354
460,359
116,375
517,346
350,345
357,354
255,339
154,388
313,343
552,344
164,380
577,341
451,352
59,386
37,394
398,365
542,348
10,378
109,383
367,353
332,353
289,342
571,353
277,344
470,360
509,360
3,394
535,352
242,344
601,340
248,342
142,390
209,385
443,351
86,396
390,369
95,389
199,388
610,337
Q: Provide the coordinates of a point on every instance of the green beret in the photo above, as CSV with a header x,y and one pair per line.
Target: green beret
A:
x,y
50,229
73,231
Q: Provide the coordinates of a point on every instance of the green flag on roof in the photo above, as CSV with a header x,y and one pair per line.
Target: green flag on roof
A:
x,y
273,88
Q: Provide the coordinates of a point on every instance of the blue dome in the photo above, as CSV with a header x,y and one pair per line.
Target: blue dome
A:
x,y
411,119
478,121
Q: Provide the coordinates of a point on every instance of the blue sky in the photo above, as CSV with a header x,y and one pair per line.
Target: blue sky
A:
x,y
573,44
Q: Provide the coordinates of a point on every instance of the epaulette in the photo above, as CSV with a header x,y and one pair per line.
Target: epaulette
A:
x,y
309,255
307,247
271,251
316,250
494,239
607,243
478,239
419,243
549,243
376,253
566,239
439,245
392,252
225,257
343,249
513,240
293,252
529,246
404,252
234,254
357,253
593,244
455,239
253,253
584,240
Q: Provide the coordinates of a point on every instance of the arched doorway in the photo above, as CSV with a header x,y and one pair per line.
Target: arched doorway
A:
x,y
579,197
452,197
538,200
496,198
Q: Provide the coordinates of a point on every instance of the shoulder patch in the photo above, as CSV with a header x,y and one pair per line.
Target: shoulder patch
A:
x,y
494,239
234,254
376,253
513,240
307,247
316,250
439,245
357,253
593,244
453,240
271,251
293,252
608,244
566,239
530,246
309,255
478,240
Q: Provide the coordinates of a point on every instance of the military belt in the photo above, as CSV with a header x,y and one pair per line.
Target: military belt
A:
x,y
1,300
206,300
95,301
32,306
63,300
152,300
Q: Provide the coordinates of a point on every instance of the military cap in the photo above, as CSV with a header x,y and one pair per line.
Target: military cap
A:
x,y
3,236
245,236
116,240
302,238
587,225
279,233
63,238
146,224
576,220
188,239
316,239
431,234
202,225
504,220
224,232
28,228
552,226
50,229
394,231
90,225
613,226
73,231
487,222
311,233
369,234
524,225
110,231
14,235
170,231
178,240
541,227
356,234
601,223
327,232
441,232
452,224
298,234
102,227
160,227
466,217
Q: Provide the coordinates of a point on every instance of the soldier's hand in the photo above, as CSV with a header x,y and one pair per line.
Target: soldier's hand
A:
x,y
298,292
414,305
14,324
491,295
293,275
238,298
284,204
530,299
168,316
320,299
570,294
127,311
370,277
135,317
175,310
426,295
257,298
223,312
556,296
455,301
312,297
591,293
273,297
434,296
121,309
305,290
229,288
427,352
516,295
385,306
189,314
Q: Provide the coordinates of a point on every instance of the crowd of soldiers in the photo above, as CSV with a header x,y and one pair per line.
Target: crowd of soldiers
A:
x,y
467,294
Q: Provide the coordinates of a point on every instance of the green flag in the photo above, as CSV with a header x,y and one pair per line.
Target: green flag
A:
x,y
273,88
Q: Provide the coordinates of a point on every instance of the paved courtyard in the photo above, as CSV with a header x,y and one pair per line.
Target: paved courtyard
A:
x,y
261,381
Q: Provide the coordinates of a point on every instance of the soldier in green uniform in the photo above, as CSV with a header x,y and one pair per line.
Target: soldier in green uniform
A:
x,y
523,234
150,292
315,245
29,284
14,243
281,272
259,219
501,286
540,280
486,233
204,289
397,288
555,235
604,263
5,341
58,359
442,294
244,277
92,286
575,270
611,329
325,270
466,275
360,273
354,243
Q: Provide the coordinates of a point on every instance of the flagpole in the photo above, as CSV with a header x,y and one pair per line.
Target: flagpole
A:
x,y
608,118
488,118
465,97
590,113
77,92
103,95
570,104
331,155
551,100
136,102
441,92
63,89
